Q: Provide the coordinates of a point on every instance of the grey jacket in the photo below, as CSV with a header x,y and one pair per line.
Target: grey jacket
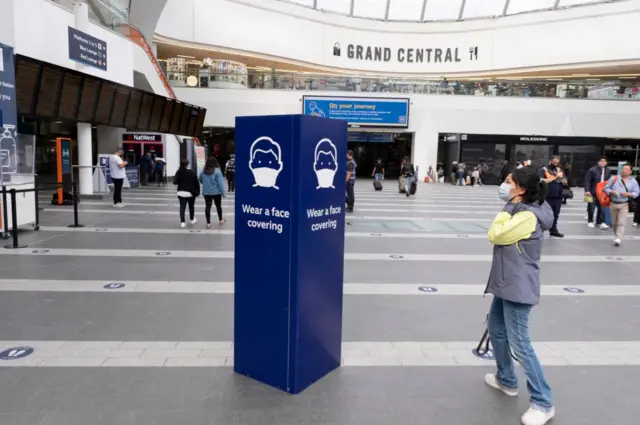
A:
x,y
515,270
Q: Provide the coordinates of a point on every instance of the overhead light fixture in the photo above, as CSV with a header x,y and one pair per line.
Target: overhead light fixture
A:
x,y
186,57
580,75
631,78
554,79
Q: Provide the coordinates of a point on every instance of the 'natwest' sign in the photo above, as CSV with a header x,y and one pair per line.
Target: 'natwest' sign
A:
x,y
140,137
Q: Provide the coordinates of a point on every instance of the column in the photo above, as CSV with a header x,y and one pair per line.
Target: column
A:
x,y
85,156
289,248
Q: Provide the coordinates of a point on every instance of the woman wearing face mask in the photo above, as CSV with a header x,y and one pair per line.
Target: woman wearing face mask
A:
x,y
517,234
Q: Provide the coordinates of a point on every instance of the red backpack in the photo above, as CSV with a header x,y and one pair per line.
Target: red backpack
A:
x,y
603,199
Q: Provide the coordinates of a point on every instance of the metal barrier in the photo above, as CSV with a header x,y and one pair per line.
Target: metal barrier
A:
x,y
14,210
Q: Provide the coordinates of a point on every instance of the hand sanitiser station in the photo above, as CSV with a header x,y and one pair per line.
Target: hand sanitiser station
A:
x,y
289,248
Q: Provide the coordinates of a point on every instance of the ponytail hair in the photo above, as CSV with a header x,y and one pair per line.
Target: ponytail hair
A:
x,y
535,188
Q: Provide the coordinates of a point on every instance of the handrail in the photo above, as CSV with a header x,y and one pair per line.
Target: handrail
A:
x,y
136,36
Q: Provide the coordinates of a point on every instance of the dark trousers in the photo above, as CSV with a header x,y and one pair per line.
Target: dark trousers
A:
x,y
351,197
208,199
117,190
183,206
591,208
231,179
144,177
160,176
556,205
636,213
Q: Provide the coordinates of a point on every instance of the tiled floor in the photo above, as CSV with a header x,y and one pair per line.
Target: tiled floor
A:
x,y
131,319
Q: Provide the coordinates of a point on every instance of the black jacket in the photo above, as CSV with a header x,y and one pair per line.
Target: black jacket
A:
x,y
592,178
187,181
408,170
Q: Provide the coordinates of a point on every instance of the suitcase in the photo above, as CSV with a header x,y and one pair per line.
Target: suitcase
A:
x,y
377,185
414,187
401,187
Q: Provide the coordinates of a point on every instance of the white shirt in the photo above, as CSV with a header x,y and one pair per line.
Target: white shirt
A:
x,y
114,165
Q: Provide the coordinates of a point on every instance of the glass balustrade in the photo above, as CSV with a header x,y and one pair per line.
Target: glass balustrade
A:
x,y
112,14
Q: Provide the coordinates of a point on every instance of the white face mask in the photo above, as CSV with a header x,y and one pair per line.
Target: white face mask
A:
x,y
325,178
325,155
265,177
503,193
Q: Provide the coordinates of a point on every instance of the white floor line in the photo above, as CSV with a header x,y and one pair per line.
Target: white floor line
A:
x,y
367,235
349,256
353,354
413,289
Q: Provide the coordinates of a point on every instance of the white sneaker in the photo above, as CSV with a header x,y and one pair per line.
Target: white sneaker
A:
x,y
617,242
535,416
491,380
194,221
604,226
591,225
183,225
634,224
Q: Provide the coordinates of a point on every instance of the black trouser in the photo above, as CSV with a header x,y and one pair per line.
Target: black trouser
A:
x,y
160,176
183,206
207,206
636,213
556,205
117,190
144,177
591,207
351,197
231,179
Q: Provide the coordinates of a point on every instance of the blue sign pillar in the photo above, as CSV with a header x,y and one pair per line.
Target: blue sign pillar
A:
x,y
289,248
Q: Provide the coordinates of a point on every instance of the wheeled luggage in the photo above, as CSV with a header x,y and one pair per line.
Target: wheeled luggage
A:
x,y
414,187
377,185
401,187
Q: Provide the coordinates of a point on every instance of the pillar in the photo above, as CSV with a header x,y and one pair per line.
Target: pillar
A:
x,y
85,156
290,224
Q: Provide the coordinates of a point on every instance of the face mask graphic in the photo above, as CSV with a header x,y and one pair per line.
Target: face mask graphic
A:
x,y
265,162
325,164
505,188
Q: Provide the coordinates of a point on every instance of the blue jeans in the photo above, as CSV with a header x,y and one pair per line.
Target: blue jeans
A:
x,y
378,176
407,184
509,327
460,178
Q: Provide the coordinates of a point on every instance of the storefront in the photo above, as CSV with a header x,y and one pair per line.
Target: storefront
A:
x,y
578,153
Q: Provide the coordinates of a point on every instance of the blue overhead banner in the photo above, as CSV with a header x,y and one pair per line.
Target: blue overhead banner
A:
x,y
289,248
360,111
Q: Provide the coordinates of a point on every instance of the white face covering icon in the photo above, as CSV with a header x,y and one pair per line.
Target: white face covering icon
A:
x,y
325,163
265,162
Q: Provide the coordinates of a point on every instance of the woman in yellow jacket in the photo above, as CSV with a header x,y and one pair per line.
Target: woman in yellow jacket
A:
x,y
517,234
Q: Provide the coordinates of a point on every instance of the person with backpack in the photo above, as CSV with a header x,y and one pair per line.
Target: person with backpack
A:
x,y
622,190
407,171
596,176
230,172
554,176
212,189
517,234
188,190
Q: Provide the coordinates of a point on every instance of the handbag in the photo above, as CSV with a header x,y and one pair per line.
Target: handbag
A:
x,y
567,193
632,202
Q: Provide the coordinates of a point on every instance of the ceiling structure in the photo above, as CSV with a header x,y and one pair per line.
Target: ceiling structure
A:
x,y
436,10
169,48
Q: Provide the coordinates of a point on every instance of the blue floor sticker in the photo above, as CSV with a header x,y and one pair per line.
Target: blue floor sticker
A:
x,y
163,253
39,251
574,290
15,353
429,289
488,355
397,257
114,286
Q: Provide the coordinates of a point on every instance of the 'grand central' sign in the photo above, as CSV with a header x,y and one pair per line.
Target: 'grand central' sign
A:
x,y
407,55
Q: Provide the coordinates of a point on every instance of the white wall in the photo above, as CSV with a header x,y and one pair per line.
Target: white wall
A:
x,y
430,115
576,36
6,22
41,32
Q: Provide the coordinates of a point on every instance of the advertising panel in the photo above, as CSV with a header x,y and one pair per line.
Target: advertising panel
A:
x,y
360,111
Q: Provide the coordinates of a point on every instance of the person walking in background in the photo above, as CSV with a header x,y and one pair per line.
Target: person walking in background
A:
x,y
623,190
505,171
212,189
230,172
433,177
351,181
514,281
461,181
378,170
596,174
146,167
159,170
636,213
118,173
554,177
188,190
407,171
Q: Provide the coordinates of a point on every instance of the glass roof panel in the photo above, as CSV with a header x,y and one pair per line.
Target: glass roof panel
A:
x,y
405,10
370,8
302,2
575,2
340,6
519,6
483,8
442,9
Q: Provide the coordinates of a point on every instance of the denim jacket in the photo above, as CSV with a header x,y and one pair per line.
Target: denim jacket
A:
x,y
212,184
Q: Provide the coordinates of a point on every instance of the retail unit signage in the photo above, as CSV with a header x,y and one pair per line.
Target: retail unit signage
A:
x,y
139,137
426,55
8,115
360,111
87,50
